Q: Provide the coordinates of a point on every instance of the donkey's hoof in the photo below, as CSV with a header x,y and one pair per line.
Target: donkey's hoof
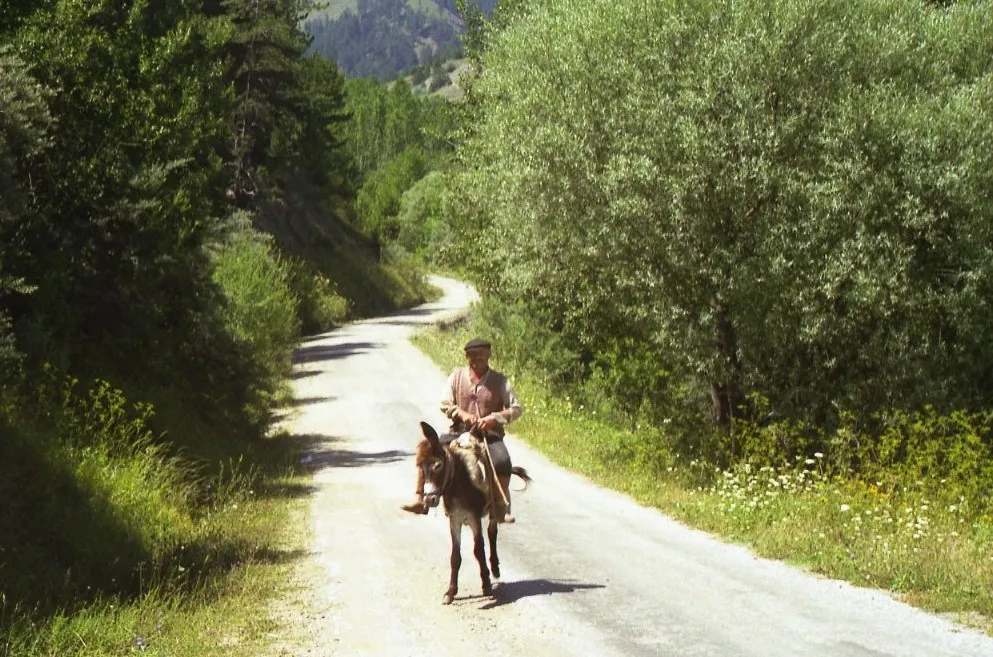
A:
x,y
488,590
447,600
495,569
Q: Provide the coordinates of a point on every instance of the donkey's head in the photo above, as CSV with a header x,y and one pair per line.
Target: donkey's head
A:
x,y
435,462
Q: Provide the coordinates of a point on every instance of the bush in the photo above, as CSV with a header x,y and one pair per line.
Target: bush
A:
x,y
438,80
260,310
946,455
320,306
378,200
422,227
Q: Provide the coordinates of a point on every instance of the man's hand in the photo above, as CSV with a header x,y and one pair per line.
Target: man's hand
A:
x,y
487,423
468,418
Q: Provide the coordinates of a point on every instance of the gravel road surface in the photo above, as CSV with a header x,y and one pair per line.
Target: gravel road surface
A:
x,y
585,571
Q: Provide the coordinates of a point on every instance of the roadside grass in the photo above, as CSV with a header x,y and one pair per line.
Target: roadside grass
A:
x,y
212,600
932,552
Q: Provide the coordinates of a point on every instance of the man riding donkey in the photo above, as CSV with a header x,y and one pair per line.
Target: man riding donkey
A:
x,y
478,397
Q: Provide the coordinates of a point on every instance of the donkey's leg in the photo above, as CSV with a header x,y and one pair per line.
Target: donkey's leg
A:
x,y
491,532
479,551
453,584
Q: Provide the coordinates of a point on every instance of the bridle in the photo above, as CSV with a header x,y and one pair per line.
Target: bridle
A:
x,y
449,474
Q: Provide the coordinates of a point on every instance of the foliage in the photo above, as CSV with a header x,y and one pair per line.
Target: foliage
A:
x,y
385,120
315,145
260,312
946,457
107,488
519,345
675,175
396,138
320,306
378,201
422,221
264,49
127,185
212,547
24,120
125,148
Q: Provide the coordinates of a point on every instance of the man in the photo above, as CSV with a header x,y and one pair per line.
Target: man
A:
x,y
477,395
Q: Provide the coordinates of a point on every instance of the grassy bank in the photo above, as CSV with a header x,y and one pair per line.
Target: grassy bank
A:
x,y
933,552
209,596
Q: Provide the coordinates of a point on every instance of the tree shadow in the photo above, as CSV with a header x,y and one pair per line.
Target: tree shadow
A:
x,y
279,415
303,374
314,338
412,317
324,352
286,490
318,453
307,401
508,592
346,458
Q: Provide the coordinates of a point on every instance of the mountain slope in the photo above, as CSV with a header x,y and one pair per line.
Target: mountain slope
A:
x,y
381,38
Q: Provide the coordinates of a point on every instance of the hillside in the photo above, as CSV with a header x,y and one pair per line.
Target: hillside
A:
x,y
382,38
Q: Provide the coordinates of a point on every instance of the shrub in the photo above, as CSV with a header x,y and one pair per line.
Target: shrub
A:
x,y
378,200
948,455
321,306
422,227
438,80
260,310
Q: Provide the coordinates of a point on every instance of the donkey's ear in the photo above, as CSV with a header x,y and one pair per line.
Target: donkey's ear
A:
x,y
430,434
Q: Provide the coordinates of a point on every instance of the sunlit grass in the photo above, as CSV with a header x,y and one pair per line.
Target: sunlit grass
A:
x,y
203,608
135,546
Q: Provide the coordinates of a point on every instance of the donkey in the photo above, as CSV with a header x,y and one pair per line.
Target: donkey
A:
x,y
462,476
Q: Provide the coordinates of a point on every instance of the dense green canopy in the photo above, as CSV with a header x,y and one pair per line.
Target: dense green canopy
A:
x,y
783,197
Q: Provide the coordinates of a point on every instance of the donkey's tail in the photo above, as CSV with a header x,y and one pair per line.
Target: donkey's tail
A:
x,y
523,474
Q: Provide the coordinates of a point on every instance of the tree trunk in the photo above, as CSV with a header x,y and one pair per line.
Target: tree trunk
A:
x,y
726,391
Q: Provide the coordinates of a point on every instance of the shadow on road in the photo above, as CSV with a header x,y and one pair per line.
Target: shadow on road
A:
x,y
281,414
346,458
413,317
303,374
314,338
319,454
322,352
307,401
508,592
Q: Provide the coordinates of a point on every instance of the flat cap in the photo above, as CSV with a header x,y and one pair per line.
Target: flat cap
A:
x,y
477,343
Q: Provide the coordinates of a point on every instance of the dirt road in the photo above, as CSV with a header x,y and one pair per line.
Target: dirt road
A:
x,y
585,571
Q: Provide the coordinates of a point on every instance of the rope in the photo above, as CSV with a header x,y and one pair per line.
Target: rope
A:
x,y
496,477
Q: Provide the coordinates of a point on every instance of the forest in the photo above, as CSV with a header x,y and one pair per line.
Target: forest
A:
x,y
178,186
751,233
